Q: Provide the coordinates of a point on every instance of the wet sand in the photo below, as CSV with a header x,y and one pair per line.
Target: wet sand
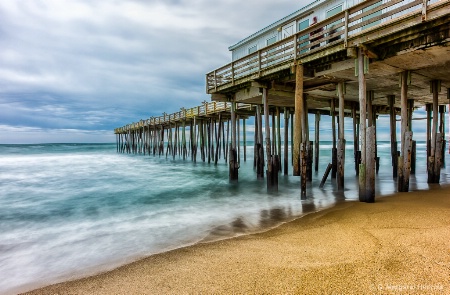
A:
x,y
398,245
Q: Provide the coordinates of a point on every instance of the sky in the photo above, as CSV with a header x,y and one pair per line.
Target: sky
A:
x,y
72,71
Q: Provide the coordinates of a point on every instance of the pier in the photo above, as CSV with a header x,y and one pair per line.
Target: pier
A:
x,y
373,58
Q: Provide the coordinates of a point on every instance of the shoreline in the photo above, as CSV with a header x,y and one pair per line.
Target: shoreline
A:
x,y
395,245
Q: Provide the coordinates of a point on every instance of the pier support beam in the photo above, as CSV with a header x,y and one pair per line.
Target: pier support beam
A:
x,y
297,120
244,139
279,139
362,128
316,142
233,161
393,129
272,170
355,138
286,140
304,148
435,157
333,132
442,131
406,146
259,149
341,143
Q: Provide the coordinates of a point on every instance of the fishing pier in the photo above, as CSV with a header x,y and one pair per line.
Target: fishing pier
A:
x,y
374,58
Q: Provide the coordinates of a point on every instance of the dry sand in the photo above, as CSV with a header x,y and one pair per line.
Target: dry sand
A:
x,y
398,245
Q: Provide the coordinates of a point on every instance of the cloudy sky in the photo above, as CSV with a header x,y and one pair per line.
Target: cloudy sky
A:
x,y
72,71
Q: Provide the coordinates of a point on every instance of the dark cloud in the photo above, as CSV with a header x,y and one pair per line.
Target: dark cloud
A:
x,y
91,66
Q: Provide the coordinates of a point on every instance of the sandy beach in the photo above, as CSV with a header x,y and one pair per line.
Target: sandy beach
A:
x,y
398,245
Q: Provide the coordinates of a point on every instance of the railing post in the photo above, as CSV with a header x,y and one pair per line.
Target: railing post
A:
x,y
259,63
424,10
346,28
215,81
295,47
232,73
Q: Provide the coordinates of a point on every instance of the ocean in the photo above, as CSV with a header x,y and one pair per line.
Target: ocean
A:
x,y
71,210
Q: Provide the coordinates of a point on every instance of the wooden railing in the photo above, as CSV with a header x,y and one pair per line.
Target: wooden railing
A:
x,y
353,22
203,110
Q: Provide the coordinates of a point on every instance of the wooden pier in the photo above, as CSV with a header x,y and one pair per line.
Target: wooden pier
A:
x,y
373,58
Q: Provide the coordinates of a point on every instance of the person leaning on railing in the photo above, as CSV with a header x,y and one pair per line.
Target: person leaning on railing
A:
x,y
312,40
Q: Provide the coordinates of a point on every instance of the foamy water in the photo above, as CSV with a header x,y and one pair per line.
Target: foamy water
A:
x,y
68,211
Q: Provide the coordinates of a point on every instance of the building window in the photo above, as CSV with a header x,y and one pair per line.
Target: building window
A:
x,y
334,11
301,26
252,49
271,40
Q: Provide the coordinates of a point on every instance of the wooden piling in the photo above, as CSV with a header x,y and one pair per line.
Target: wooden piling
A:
x,y
286,140
303,164
442,131
259,147
393,130
233,162
278,138
238,139
297,120
310,156
428,111
355,138
413,157
333,134
341,143
245,139
274,135
370,162
407,160
316,141
435,151
255,140
362,128
209,126
404,128
218,137
183,140
270,173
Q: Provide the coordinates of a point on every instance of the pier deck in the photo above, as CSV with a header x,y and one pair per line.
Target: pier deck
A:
x,y
373,58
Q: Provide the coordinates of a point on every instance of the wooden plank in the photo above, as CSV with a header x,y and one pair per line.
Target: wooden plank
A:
x,y
325,175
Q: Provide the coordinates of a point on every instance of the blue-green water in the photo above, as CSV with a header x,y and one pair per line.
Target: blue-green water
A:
x,y
70,210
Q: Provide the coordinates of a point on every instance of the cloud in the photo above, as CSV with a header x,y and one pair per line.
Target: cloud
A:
x,y
90,64
98,65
